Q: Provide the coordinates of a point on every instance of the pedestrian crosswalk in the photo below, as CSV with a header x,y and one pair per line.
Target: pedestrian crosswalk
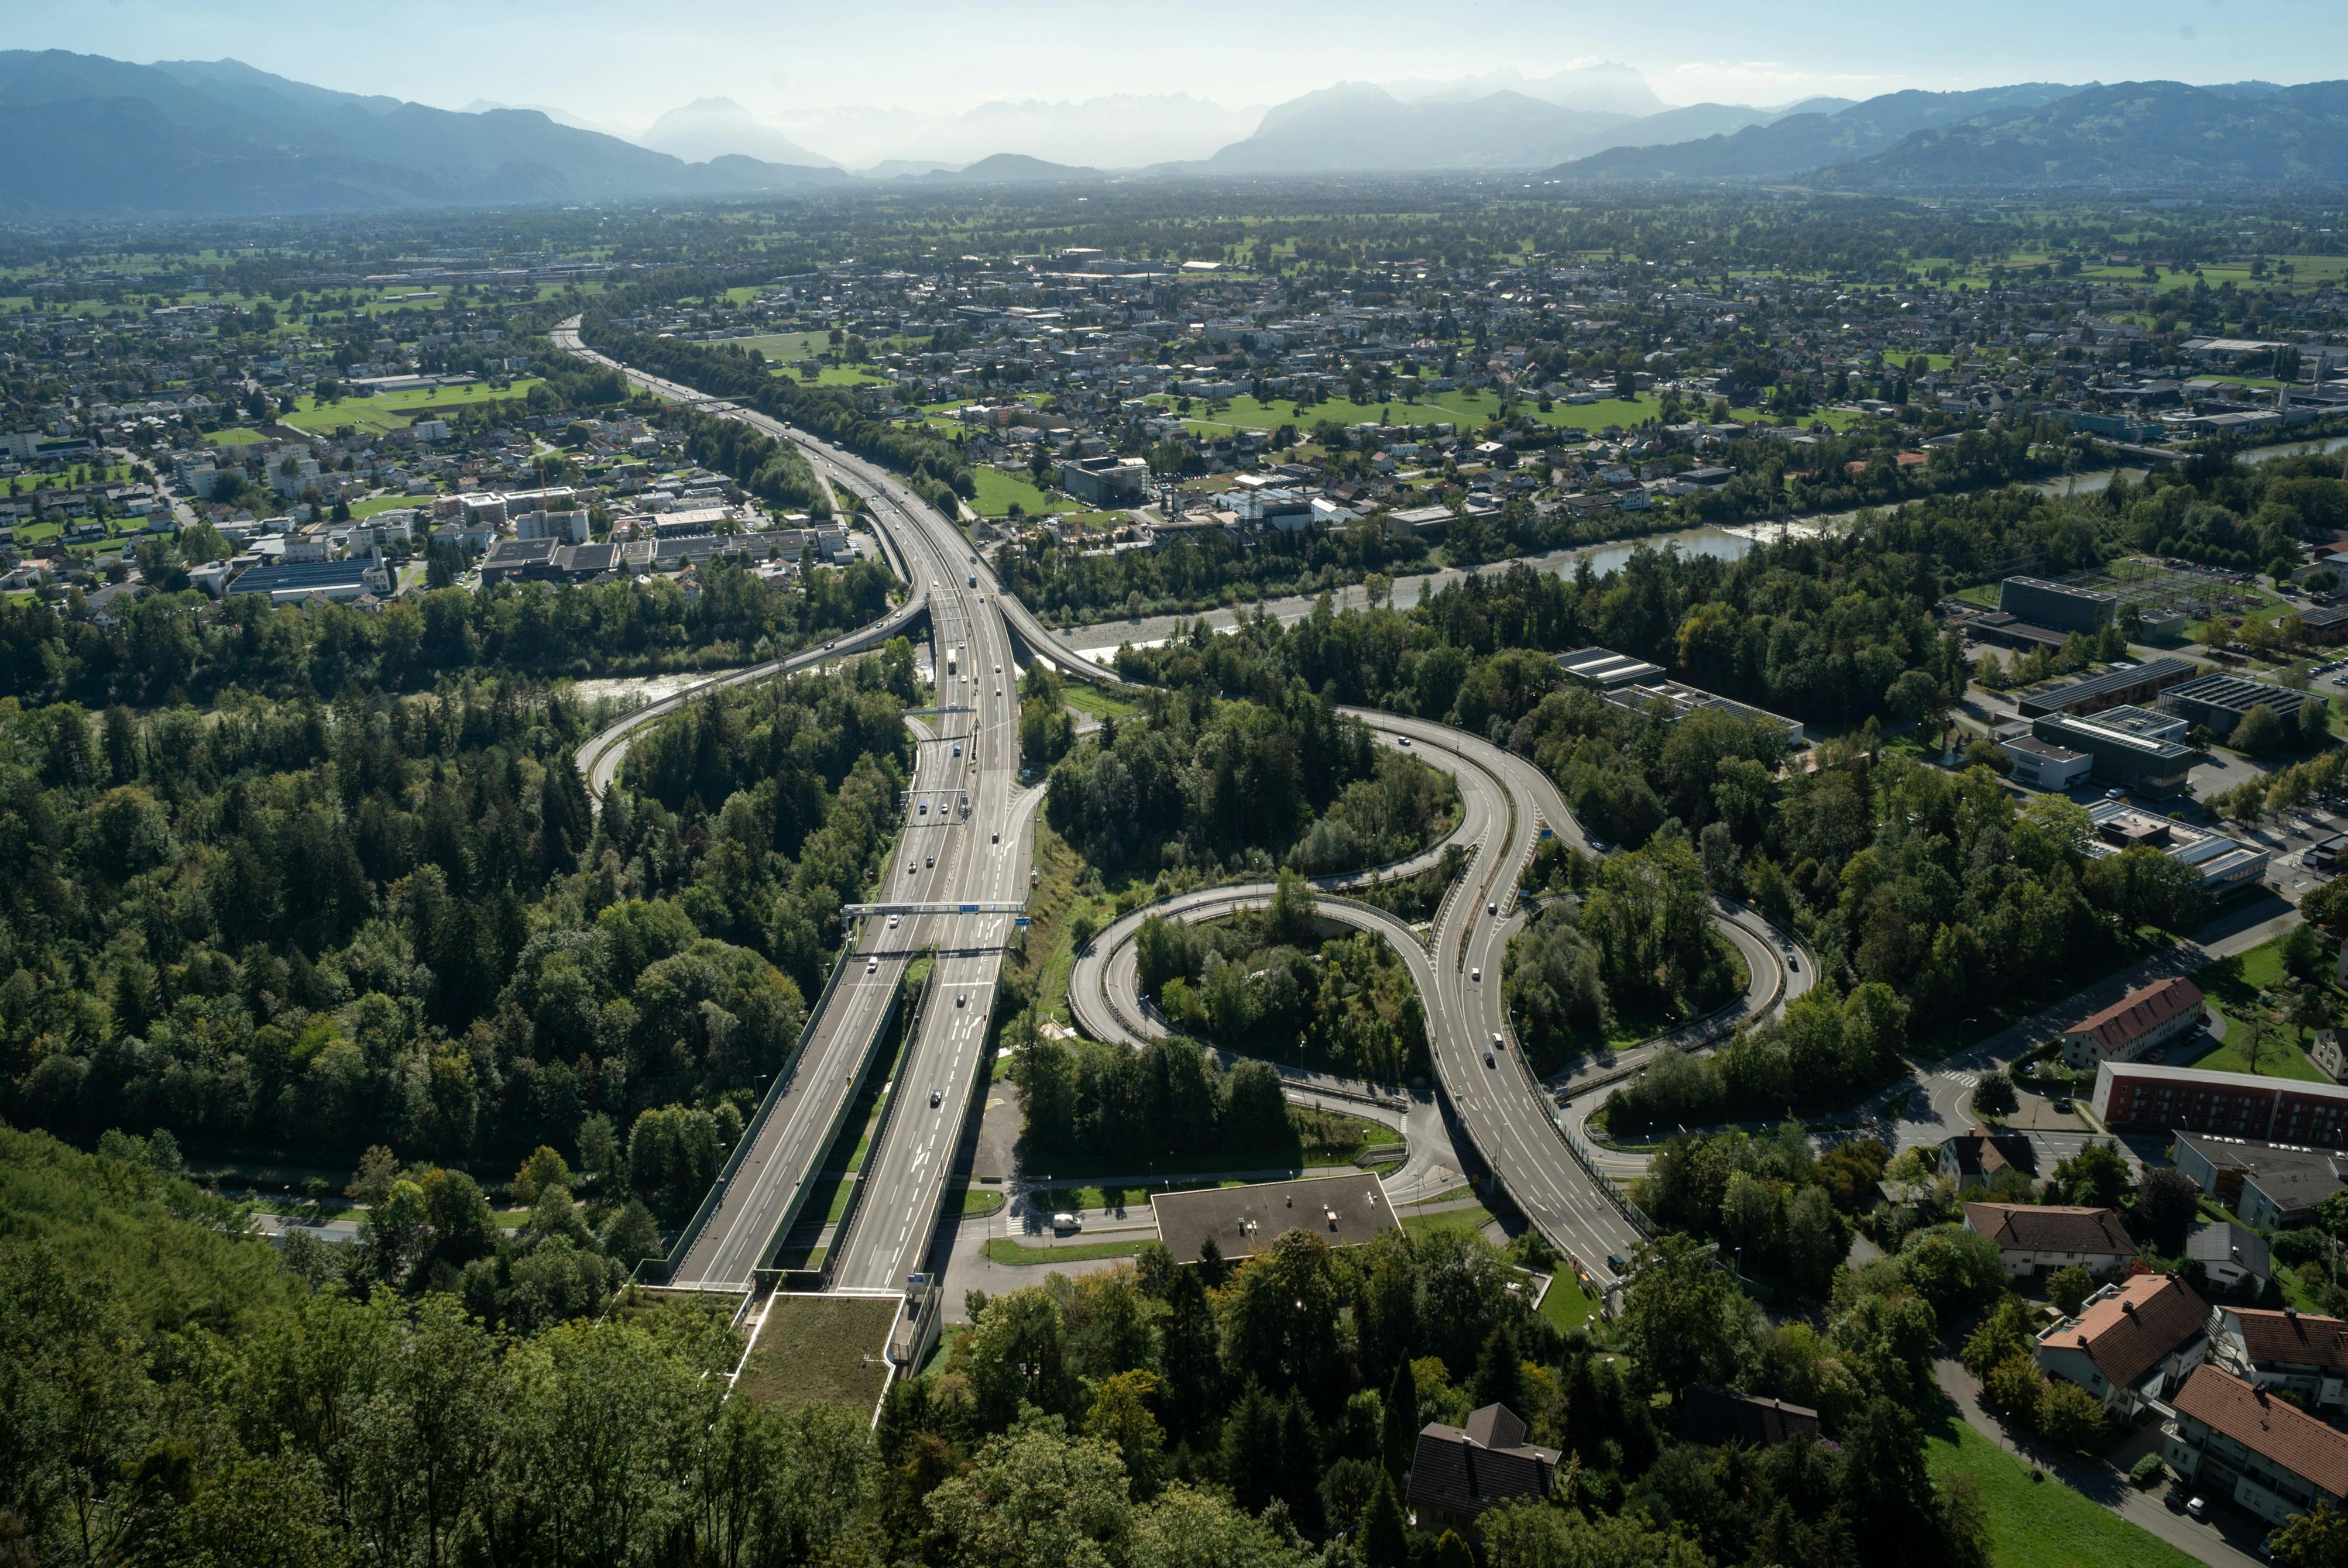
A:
x,y
1962,1079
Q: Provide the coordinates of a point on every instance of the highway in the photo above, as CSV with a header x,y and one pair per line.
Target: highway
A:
x,y
1505,801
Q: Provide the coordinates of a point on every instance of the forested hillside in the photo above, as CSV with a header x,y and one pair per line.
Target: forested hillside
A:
x,y
268,1409
396,921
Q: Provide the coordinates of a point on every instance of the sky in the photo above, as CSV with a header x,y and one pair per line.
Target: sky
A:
x,y
622,62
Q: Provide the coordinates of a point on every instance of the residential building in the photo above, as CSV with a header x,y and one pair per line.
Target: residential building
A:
x,y
2274,1186
2034,1237
2220,701
2055,604
2123,683
1459,1472
1977,1156
2326,1052
2139,1022
1713,1416
2296,1352
2131,1343
2238,1105
2229,1254
2243,1443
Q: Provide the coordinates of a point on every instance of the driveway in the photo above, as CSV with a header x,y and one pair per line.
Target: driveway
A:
x,y
2228,1538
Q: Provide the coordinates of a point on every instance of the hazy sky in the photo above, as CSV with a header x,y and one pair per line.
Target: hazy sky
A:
x,y
625,61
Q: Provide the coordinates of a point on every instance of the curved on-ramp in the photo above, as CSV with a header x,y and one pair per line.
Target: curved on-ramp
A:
x,y
1505,805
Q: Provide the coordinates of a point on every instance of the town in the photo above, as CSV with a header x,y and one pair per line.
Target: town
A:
x,y
1625,855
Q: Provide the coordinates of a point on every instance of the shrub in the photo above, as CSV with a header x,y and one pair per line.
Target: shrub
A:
x,y
2145,1470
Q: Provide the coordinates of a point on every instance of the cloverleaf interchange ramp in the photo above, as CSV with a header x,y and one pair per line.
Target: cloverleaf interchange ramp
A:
x,y
945,858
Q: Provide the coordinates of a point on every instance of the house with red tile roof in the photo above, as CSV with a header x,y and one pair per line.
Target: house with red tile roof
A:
x,y
2244,1443
2043,1236
2131,1343
2139,1022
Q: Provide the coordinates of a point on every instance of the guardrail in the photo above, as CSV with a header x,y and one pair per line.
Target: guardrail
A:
x,y
758,1119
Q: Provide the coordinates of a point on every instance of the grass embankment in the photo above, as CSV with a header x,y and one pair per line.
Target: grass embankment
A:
x,y
1003,1249
821,1350
1566,1304
2044,1524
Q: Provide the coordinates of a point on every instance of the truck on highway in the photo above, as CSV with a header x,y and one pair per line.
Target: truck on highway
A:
x,y
954,658
974,580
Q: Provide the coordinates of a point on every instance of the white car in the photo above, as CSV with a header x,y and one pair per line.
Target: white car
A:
x,y
1065,1220
871,966
1477,976
893,922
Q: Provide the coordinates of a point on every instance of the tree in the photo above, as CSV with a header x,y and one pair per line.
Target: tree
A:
x,y
1500,1373
1450,1551
1400,1424
379,1168
2316,1539
598,1145
2258,733
1120,1414
1032,1495
544,1168
2069,1288
1384,1541
1683,1318
2013,1386
2069,1416
2096,1177
1994,1096
2166,1203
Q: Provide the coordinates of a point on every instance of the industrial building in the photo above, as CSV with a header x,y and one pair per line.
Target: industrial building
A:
x,y
2227,864
1635,684
2132,747
1244,1221
293,582
2221,701
2043,765
2056,605
2121,684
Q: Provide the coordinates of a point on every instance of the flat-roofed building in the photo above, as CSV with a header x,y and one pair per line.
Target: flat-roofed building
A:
x,y
2220,702
1605,668
2093,693
2128,745
2274,1186
2056,605
2042,765
294,583
2235,1104
1242,1221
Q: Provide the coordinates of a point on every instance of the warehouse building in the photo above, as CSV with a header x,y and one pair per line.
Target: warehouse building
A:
x,y
296,581
2221,701
2121,684
2044,603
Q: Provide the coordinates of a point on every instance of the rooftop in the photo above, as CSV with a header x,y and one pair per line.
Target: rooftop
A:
x,y
2288,1337
2292,1176
1342,1210
2139,1013
2049,1228
2286,1437
2126,1328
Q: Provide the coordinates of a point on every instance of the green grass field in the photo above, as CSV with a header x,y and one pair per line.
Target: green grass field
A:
x,y
2232,986
237,437
1473,1219
397,410
1566,1304
997,490
2040,1524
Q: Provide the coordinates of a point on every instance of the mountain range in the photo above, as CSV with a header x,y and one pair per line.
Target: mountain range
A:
x,y
81,134
84,134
